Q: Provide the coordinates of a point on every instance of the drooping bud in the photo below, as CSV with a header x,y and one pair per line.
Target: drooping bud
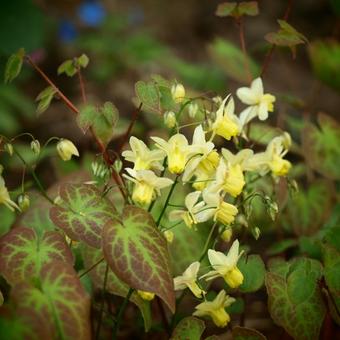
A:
x,y
227,234
118,165
170,119
35,146
178,93
169,235
66,149
24,202
192,110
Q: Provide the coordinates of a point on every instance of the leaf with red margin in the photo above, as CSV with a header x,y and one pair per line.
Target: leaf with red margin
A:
x,y
60,298
137,253
114,285
82,213
23,253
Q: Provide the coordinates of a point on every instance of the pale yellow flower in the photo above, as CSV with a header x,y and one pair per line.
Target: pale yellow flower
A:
x,y
178,93
225,266
188,280
66,149
216,309
147,185
142,157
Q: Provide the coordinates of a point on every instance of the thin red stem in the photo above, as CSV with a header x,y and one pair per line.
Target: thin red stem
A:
x,y
82,85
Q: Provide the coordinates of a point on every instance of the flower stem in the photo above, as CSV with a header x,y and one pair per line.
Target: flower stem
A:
x,y
92,267
121,312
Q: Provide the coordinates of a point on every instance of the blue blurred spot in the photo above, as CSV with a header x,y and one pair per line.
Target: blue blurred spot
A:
x,y
67,31
91,13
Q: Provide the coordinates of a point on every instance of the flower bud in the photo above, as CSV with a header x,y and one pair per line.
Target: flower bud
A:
x,y
170,119
192,110
118,165
23,202
169,235
146,295
226,235
35,146
66,149
256,232
178,93
9,148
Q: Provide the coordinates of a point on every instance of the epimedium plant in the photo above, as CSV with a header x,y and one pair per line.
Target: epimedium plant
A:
x,y
123,229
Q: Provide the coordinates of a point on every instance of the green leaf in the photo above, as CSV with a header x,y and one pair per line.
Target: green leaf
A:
x,y
137,253
59,298
114,285
308,209
102,120
83,213
231,60
23,253
331,260
332,236
281,246
253,270
189,328
287,35
295,300
68,67
237,10
148,94
245,333
321,146
83,60
14,65
44,98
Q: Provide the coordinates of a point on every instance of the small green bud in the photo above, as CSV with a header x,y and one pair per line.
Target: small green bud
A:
x,y
35,146
170,119
227,234
24,202
118,165
256,232
9,148
192,110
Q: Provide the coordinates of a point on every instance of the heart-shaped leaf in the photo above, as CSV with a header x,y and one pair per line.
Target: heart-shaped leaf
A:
x,y
245,333
23,253
83,213
114,285
60,298
253,270
137,252
189,328
295,300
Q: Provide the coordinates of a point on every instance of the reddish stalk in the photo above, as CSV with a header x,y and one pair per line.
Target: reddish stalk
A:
x,y
240,25
70,105
269,55
82,86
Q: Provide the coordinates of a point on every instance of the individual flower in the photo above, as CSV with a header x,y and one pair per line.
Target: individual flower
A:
x,y
188,280
202,164
192,208
147,185
216,309
66,149
177,150
272,159
146,295
225,266
178,93
226,123
259,103
5,198
217,209
142,157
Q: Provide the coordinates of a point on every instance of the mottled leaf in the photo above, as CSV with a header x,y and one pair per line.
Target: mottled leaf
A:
x,y
14,65
23,253
253,270
244,333
225,9
308,209
148,94
295,300
82,213
189,328
60,298
114,285
237,10
137,252
331,260
321,146
101,119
